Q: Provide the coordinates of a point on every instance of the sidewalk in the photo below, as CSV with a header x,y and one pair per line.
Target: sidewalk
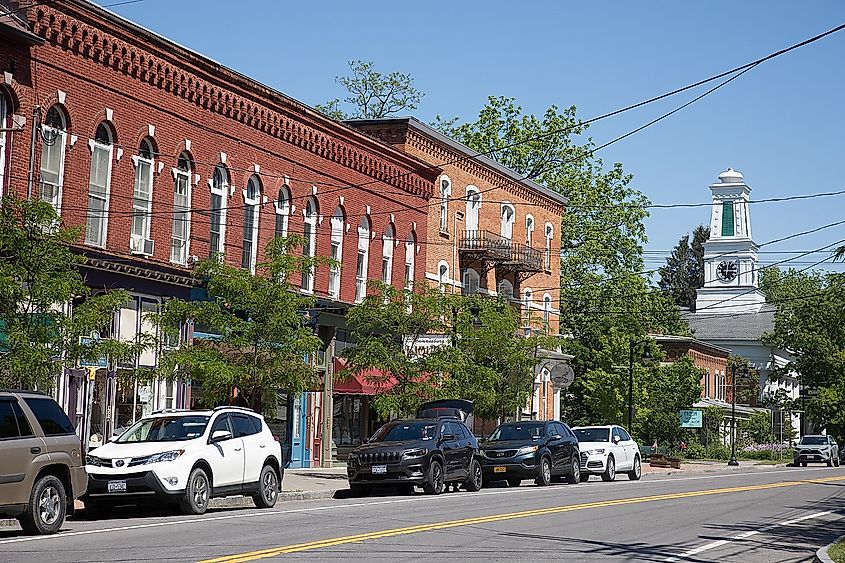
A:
x,y
688,467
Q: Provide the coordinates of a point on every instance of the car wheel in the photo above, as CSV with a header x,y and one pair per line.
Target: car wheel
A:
x,y
436,481
45,512
514,482
574,475
197,493
610,472
544,477
637,471
475,480
268,488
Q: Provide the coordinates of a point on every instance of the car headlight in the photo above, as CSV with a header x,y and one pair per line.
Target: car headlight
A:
x,y
527,450
415,453
93,460
166,456
597,451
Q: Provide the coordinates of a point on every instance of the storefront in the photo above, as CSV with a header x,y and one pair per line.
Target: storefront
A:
x,y
354,419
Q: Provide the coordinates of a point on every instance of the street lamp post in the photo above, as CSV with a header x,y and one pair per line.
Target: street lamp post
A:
x,y
632,344
733,461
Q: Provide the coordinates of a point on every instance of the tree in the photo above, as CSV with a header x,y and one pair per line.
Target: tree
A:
x,y
684,269
757,428
263,339
713,420
667,390
372,95
39,280
605,299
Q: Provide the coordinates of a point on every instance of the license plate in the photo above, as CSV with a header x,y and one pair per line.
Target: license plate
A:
x,y
379,469
500,469
117,486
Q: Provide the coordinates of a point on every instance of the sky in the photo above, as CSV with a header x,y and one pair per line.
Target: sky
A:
x,y
781,124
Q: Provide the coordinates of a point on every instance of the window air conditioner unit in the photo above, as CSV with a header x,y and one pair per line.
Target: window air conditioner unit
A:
x,y
141,246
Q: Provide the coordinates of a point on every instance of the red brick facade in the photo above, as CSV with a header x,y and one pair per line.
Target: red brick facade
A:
x,y
97,68
715,383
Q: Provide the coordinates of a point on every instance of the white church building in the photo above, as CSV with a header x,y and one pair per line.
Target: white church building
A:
x,y
730,310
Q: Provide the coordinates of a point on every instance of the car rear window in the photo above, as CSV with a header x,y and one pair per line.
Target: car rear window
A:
x,y
51,417
8,422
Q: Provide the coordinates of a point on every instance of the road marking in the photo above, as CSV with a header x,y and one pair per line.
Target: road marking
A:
x,y
745,535
442,498
330,542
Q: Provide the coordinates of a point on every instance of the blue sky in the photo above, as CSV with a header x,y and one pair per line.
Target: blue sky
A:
x,y
781,124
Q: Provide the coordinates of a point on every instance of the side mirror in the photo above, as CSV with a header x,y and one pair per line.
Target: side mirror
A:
x,y
220,435
616,439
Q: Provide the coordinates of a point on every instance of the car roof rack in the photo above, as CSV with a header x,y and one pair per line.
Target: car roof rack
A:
x,y
221,407
162,411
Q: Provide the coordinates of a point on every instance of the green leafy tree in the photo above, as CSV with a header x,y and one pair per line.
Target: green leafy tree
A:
x,y
757,428
667,390
263,340
683,273
39,278
372,95
605,299
714,418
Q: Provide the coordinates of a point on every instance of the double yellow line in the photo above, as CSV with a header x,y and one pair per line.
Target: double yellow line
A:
x,y
308,546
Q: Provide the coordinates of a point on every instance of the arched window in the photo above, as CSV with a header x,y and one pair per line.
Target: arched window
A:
x,y
473,206
387,255
179,242
410,248
99,185
309,245
142,199
527,303
219,196
442,276
547,309
445,192
5,123
550,233
53,138
336,252
508,215
252,197
529,230
471,281
282,212
362,260
505,289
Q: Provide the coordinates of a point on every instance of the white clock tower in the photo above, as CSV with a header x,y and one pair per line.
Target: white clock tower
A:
x,y
731,268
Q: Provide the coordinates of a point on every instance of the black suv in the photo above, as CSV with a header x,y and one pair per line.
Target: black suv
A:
x,y
427,452
539,450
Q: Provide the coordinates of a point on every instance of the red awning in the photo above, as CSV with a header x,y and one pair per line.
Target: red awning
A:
x,y
368,382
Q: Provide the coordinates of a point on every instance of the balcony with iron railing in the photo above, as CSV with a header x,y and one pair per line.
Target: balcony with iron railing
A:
x,y
502,251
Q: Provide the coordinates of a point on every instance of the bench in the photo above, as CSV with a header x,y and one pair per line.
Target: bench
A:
x,y
661,460
648,451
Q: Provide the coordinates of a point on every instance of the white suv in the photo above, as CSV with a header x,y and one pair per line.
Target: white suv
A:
x,y
187,457
606,450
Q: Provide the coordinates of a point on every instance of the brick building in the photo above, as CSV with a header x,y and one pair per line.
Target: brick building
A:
x,y
490,231
167,157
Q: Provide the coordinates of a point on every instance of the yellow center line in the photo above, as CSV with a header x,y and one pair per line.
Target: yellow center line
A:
x,y
308,546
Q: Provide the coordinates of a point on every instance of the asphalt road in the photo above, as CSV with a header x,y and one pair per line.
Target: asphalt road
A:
x,y
778,515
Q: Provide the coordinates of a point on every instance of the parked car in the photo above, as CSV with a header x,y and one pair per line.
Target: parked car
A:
x,y
187,457
541,450
606,450
431,453
816,449
41,468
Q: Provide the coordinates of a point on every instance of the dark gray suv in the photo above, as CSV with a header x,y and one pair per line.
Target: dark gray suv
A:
x,y
41,466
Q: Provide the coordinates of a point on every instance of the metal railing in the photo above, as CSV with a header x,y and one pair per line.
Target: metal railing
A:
x,y
500,249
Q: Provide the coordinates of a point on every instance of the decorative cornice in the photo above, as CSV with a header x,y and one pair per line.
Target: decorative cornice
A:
x,y
215,90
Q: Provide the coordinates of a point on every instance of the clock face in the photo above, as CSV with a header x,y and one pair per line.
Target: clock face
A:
x,y
727,270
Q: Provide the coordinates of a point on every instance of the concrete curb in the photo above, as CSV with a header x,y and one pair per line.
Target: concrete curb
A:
x,y
821,554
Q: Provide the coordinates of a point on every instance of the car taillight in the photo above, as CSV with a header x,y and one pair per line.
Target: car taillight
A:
x,y
276,438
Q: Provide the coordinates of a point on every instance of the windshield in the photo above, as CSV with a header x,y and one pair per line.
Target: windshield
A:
x,y
165,429
518,432
592,434
814,441
405,431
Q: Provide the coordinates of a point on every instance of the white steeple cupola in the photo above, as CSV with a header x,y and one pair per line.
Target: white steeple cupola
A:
x,y
731,266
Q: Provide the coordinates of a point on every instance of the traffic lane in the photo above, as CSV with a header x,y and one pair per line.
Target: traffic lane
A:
x,y
187,538
629,533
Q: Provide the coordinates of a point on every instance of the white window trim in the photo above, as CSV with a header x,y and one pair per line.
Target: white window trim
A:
x,y
530,226
548,233
504,222
387,254
92,144
409,263
334,269
256,216
471,191
283,208
363,245
60,135
222,191
187,175
136,161
444,194
312,246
